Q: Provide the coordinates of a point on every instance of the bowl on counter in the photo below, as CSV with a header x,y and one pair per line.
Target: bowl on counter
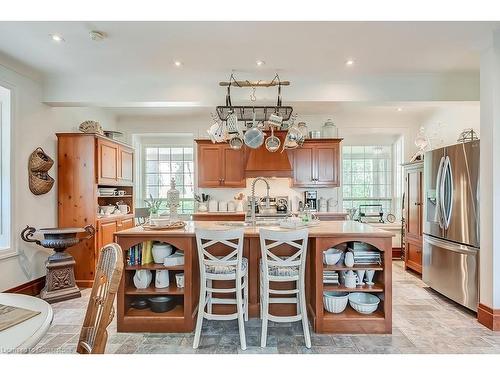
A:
x,y
335,302
161,304
364,303
331,256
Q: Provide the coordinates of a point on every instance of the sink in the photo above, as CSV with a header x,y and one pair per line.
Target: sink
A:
x,y
267,223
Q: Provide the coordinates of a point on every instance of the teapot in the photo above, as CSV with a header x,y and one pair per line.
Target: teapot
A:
x,y
142,279
350,279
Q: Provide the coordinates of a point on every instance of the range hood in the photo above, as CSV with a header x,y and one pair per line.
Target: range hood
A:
x,y
262,163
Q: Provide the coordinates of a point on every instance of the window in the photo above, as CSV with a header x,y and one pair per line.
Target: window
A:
x,y
163,163
5,197
367,175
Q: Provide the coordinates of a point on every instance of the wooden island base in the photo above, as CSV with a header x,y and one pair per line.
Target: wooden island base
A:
x,y
327,234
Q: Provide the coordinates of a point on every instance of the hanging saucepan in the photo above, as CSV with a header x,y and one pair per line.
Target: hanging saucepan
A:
x,y
236,142
254,137
272,142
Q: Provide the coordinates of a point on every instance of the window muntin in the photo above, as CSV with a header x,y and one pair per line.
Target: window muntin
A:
x,y
164,162
367,176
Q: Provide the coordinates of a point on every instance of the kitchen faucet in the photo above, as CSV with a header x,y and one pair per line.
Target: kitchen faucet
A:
x,y
253,197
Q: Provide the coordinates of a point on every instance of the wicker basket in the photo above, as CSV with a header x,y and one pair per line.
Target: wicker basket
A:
x,y
40,182
39,161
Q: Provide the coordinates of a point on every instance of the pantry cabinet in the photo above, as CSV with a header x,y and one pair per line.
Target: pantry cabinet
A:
x,y
317,163
85,163
220,166
413,215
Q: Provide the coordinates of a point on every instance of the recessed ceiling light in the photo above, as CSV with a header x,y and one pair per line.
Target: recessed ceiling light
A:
x,y
260,62
349,62
57,38
400,109
178,63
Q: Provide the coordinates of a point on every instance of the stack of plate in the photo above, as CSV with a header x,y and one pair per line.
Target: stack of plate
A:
x,y
107,192
330,277
366,256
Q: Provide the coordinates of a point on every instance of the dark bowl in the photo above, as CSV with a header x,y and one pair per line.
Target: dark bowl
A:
x,y
161,304
140,303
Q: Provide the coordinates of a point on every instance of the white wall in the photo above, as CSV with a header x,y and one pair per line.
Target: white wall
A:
x,y
443,125
34,124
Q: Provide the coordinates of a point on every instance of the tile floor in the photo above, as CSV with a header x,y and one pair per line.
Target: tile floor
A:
x,y
423,322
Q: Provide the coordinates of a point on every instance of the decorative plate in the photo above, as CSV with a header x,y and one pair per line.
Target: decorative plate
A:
x,y
174,225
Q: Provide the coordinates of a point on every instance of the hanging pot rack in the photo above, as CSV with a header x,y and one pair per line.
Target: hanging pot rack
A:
x,y
246,113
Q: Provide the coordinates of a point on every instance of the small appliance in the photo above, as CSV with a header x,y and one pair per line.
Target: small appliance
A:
x,y
311,199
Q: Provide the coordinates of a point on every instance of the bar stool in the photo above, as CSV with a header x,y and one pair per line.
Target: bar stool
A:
x,y
229,266
274,268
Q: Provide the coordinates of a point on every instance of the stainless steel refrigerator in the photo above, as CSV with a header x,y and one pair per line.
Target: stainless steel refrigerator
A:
x,y
451,225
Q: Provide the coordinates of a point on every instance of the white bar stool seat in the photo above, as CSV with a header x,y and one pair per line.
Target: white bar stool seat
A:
x,y
231,266
274,268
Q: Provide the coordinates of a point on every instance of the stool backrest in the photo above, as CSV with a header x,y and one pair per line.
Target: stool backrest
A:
x,y
271,240
100,311
219,248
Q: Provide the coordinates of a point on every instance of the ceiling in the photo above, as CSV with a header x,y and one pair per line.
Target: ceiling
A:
x,y
296,49
133,69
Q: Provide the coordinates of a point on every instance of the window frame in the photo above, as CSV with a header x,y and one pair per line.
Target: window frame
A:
x,y
6,177
143,176
387,201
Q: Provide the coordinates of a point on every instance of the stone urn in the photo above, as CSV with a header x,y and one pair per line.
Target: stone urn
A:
x,y
60,278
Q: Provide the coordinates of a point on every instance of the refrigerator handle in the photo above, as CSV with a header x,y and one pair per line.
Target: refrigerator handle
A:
x,y
448,174
439,207
457,248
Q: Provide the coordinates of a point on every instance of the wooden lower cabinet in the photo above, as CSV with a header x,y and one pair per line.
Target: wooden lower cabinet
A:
x,y
413,255
106,230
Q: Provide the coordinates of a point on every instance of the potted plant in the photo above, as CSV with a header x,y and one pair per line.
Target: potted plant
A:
x,y
154,206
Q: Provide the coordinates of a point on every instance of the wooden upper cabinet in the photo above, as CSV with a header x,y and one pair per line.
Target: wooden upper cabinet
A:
x,y
220,166
209,165
107,162
115,163
126,165
317,164
233,167
327,165
303,166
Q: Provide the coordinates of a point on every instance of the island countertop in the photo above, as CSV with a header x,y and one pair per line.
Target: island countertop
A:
x,y
322,229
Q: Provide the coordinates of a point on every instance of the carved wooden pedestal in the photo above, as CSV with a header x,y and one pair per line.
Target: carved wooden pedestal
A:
x,y
60,280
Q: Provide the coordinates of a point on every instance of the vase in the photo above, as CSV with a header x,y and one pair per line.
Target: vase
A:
x,y
349,259
142,279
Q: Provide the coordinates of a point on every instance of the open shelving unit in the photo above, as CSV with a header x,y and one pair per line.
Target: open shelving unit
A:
x,y
179,319
351,321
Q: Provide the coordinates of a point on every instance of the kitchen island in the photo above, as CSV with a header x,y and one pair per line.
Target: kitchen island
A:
x,y
342,234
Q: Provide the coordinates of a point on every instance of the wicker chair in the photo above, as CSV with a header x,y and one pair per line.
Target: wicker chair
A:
x,y
100,310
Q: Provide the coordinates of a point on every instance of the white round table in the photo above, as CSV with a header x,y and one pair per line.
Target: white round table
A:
x,y
27,334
